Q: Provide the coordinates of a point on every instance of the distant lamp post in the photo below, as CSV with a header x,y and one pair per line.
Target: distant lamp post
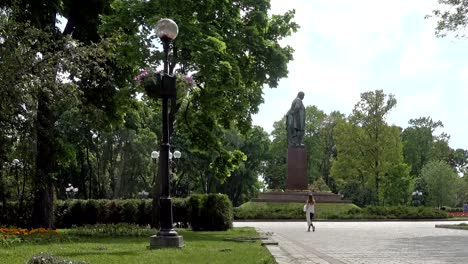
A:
x,y
16,164
417,195
155,155
165,88
71,191
143,194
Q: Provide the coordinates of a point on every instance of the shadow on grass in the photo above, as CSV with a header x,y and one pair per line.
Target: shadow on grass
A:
x,y
215,236
89,253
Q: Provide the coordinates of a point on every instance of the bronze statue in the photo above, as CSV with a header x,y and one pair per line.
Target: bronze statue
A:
x,y
295,121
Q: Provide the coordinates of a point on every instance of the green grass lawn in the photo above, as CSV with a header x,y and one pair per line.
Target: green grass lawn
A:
x,y
200,247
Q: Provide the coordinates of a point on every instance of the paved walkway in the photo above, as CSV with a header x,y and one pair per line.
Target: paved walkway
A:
x,y
365,242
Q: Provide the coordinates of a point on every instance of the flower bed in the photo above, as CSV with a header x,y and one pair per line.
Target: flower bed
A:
x,y
9,236
458,214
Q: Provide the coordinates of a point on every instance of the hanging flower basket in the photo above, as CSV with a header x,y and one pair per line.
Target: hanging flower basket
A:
x,y
159,85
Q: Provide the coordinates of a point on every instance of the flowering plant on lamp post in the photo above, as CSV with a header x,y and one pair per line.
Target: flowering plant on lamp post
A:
x,y
155,83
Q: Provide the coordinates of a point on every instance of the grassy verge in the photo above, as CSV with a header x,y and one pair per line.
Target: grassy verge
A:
x,y
265,210
459,226
200,247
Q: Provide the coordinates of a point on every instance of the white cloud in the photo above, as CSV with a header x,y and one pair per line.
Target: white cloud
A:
x,y
344,48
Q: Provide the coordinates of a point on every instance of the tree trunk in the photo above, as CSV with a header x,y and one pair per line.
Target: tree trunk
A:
x,y
43,207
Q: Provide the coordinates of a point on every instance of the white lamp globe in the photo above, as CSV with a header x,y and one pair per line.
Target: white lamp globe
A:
x,y
167,29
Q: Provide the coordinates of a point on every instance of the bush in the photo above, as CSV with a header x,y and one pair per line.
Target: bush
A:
x,y
397,212
217,212
129,212
280,210
12,215
179,212
194,209
203,212
212,212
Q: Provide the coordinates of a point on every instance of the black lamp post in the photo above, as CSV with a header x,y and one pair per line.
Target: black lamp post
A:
x,y
164,87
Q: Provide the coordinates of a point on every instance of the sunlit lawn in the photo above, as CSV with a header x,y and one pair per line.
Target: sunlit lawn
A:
x,y
200,247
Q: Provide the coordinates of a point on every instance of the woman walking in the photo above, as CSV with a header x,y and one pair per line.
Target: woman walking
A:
x,y
310,211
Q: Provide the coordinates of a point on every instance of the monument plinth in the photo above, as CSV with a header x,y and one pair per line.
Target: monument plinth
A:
x,y
297,168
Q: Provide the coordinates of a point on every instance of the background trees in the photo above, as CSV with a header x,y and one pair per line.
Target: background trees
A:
x,y
71,112
80,118
441,183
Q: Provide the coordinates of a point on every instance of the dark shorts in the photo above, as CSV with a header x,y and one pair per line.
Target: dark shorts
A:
x,y
311,216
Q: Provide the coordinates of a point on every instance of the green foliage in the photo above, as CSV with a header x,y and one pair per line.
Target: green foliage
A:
x,y
397,185
451,17
194,208
276,170
441,182
397,212
254,210
366,146
417,144
211,212
319,185
275,210
131,211
243,184
226,162
319,142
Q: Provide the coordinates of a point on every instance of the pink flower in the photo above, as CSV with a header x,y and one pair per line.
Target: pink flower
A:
x,y
190,81
140,76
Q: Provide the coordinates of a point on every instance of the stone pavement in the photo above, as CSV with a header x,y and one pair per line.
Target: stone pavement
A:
x,y
365,242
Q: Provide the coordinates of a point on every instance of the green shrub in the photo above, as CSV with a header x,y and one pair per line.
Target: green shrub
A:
x,y
217,212
179,212
12,215
114,212
194,207
144,212
210,212
129,211
91,212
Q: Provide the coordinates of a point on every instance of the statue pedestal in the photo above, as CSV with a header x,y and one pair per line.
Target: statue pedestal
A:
x,y
297,168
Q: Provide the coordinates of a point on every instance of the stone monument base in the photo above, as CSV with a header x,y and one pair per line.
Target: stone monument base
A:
x,y
297,168
166,242
299,197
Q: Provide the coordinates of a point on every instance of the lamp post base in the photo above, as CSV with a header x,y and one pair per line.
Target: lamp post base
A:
x,y
157,242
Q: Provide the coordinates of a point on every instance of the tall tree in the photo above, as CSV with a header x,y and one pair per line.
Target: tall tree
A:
x,y
367,147
276,168
54,54
314,142
239,36
441,183
418,142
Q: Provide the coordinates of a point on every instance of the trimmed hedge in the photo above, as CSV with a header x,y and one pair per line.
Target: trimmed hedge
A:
x,y
212,212
70,213
263,210
200,211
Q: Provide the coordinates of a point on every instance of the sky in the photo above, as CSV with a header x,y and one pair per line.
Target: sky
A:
x,y
344,48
